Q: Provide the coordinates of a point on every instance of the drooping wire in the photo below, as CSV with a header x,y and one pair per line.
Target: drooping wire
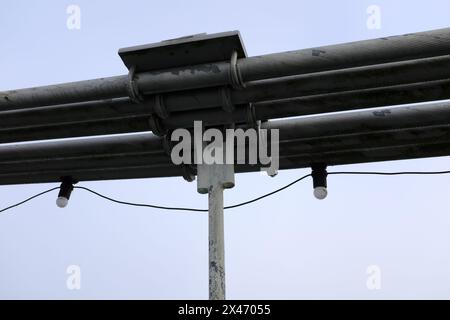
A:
x,y
235,205
30,198
267,194
140,204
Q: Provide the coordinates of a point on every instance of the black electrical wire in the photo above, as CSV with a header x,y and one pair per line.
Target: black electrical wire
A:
x,y
140,204
268,194
30,198
239,204
194,209
390,173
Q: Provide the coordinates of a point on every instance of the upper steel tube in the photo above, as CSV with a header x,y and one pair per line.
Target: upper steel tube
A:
x,y
348,55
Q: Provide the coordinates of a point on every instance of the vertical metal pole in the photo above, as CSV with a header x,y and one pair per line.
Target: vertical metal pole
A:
x,y
216,243
213,178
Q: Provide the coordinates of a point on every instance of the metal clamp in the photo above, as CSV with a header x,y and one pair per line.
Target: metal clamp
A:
x,y
159,112
235,75
252,122
156,125
132,88
167,143
227,104
160,108
263,140
188,172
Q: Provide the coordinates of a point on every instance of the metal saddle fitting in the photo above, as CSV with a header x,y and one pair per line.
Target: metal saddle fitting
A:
x,y
214,175
263,143
262,137
237,82
188,171
160,111
132,88
180,53
158,107
156,125
210,175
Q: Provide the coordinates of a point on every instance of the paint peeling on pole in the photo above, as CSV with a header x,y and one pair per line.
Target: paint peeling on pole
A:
x,y
216,244
213,179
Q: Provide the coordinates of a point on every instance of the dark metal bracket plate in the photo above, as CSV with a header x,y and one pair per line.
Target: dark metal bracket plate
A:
x,y
185,51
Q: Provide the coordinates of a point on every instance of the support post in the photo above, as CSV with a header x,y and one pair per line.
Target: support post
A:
x,y
213,179
216,244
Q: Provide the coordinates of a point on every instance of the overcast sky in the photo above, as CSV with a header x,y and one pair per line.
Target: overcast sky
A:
x,y
289,246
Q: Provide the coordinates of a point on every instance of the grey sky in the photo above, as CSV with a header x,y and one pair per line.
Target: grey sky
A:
x,y
287,246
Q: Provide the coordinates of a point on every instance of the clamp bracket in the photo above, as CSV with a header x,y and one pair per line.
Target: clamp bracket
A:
x,y
133,90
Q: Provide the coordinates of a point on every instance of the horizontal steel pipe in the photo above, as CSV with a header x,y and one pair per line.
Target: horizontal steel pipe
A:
x,y
79,91
279,88
373,98
389,74
358,155
185,78
142,143
319,145
348,55
351,100
365,155
77,129
340,56
375,139
105,173
363,121
93,111
384,75
86,162
420,92
213,117
146,149
112,110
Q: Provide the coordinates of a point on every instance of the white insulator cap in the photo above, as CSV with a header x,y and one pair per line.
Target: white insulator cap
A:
x,y
320,193
62,202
